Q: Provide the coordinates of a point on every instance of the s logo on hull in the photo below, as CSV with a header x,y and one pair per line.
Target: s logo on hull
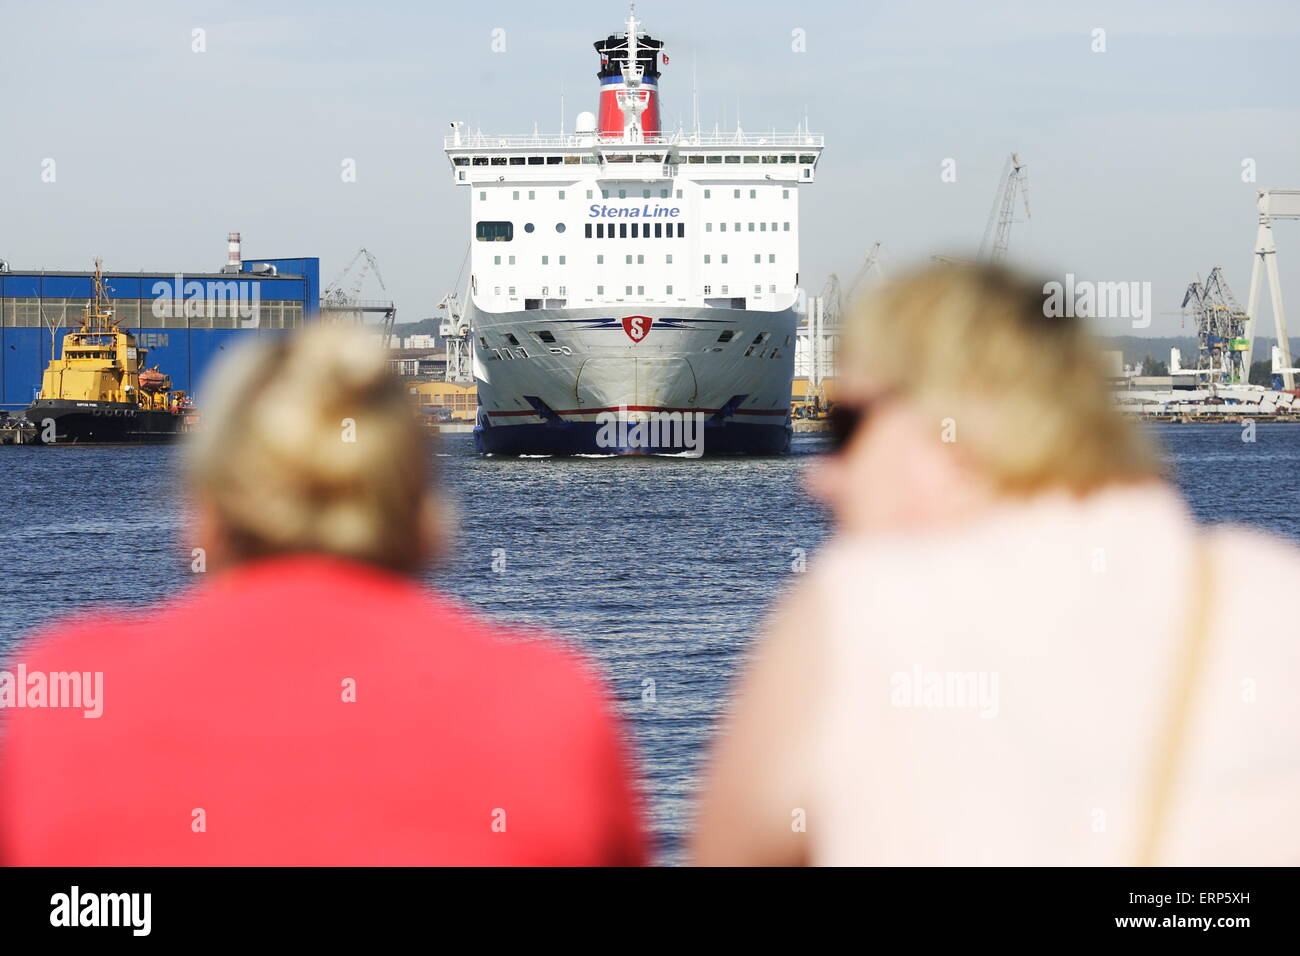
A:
x,y
637,327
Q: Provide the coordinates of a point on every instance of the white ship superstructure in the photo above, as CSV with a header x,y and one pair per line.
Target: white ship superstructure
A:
x,y
623,273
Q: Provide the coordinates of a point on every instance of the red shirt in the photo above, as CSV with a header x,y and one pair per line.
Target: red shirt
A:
x,y
226,708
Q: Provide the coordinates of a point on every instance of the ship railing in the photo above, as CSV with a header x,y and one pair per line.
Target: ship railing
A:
x,y
588,141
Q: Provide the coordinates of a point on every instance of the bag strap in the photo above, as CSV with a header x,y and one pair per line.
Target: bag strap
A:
x,y
1173,737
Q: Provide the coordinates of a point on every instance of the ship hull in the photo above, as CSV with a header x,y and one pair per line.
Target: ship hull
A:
x,y
634,379
99,423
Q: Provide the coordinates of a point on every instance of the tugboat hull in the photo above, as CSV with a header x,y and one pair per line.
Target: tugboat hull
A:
x,y
77,422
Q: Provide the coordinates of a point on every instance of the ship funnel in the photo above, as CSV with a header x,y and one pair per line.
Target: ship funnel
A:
x,y
233,257
629,84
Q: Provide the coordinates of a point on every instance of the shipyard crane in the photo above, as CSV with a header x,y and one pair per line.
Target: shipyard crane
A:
x,y
343,303
1272,204
1220,329
1014,186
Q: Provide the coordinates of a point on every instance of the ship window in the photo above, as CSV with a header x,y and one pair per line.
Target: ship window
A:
x,y
769,159
807,159
591,159
600,260
622,194
561,196
713,159
731,159
629,290
546,260
634,235
573,161
587,230
758,258
695,159
515,195
771,257
735,194
546,335
645,194
669,258
600,230
554,160
561,263
708,227
751,159
532,194
640,290
622,230
708,194
482,195
722,227
600,290
498,161
724,258
753,194
511,338
496,260
681,230
663,194
708,290
528,227
460,160
707,259
640,260
669,290
726,336
559,226
788,159
659,230
536,160
516,160
627,260
494,231
787,227
785,194
480,161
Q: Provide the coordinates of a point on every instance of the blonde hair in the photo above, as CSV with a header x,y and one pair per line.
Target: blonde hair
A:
x,y
1026,393
308,443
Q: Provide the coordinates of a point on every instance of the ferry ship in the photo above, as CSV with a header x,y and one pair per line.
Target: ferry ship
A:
x,y
626,280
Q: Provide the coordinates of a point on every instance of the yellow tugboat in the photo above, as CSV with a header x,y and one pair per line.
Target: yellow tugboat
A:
x,y
101,391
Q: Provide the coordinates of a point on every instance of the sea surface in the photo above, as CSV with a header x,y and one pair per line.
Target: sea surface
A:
x,y
661,568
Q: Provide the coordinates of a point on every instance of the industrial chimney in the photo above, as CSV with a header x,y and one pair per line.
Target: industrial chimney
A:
x,y
233,259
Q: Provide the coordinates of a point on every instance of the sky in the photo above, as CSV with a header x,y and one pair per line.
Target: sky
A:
x,y
1134,153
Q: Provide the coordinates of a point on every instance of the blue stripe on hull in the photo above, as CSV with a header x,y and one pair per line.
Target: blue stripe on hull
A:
x,y
579,438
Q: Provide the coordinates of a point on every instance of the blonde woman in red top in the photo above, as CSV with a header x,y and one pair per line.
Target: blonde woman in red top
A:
x,y
308,702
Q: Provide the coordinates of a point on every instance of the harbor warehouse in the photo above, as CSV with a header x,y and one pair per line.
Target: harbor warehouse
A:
x,y
185,320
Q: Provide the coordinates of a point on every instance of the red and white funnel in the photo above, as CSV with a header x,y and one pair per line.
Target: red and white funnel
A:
x,y
629,83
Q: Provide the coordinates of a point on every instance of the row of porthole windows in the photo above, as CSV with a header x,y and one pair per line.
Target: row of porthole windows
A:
x,y
634,230
788,159
753,194
758,258
753,227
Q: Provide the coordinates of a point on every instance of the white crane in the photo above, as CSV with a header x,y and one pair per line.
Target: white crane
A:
x,y
1272,204
997,234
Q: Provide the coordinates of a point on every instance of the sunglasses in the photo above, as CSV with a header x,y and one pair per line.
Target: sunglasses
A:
x,y
846,419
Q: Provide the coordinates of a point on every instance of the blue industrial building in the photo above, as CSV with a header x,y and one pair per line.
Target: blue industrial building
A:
x,y
185,320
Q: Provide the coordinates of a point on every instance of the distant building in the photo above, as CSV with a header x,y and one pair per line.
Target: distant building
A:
x,y
460,400
419,363
426,342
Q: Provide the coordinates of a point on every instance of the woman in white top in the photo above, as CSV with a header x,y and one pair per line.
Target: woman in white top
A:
x,y
1019,648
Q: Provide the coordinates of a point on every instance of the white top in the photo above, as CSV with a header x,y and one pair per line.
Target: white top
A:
x,y
992,695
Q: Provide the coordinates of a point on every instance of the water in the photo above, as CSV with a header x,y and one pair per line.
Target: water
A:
x,y
660,568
